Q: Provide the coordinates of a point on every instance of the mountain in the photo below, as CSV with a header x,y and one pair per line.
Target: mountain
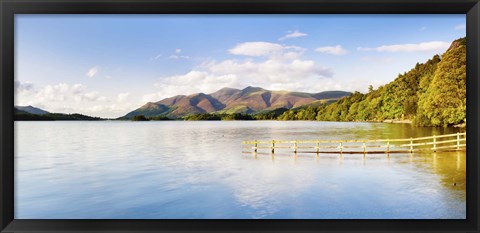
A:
x,y
430,94
330,95
149,110
31,113
32,110
230,100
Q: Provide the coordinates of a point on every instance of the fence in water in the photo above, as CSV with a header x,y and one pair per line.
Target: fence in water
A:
x,y
435,143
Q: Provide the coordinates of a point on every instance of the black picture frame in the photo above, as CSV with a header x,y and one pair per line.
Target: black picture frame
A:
x,y
9,8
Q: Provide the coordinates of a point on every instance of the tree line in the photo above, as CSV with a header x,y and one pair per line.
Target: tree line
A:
x,y
25,116
431,94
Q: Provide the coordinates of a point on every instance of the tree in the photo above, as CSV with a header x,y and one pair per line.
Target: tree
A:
x,y
370,88
139,118
444,102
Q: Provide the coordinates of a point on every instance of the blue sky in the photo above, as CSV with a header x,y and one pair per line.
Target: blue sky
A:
x,y
108,65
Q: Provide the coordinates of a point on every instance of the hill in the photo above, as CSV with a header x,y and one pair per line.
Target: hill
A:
x,y
431,94
22,115
249,100
32,110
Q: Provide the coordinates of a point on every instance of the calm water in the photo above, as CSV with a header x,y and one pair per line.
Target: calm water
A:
x,y
179,169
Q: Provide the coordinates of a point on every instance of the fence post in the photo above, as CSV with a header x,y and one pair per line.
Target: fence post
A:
x,y
411,144
255,146
434,143
273,146
341,148
388,146
318,147
458,140
295,147
364,148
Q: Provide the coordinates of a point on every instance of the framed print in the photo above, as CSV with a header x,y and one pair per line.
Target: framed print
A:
x,y
248,116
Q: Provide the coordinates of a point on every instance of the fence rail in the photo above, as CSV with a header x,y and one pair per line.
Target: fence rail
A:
x,y
447,142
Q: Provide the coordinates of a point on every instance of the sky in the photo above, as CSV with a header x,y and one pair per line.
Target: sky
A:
x,y
109,65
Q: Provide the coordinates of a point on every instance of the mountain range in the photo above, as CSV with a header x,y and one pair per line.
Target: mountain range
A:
x,y
249,100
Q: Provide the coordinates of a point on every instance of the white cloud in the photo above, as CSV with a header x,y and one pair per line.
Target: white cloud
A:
x,y
73,98
63,92
294,34
267,49
123,96
279,70
256,49
156,57
436,46
275,67
23,86
92,96
423,28
78,88
178,56
92,72
271,70
114,110
334,50
461,27
189,83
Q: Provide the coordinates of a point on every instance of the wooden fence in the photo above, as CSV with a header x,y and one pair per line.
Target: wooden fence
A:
x,y
448,142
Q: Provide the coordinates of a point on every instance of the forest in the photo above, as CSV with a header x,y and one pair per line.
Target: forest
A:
x,y
431,94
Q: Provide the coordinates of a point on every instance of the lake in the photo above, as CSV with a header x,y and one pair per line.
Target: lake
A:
x,y
197,170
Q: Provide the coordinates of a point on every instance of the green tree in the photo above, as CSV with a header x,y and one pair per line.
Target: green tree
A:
x,y
444,102
139,118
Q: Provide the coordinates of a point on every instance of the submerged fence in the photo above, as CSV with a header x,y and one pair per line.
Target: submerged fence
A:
x,y
447,142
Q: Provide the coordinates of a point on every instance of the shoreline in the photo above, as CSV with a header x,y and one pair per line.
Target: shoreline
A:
x,y
397,121
460,126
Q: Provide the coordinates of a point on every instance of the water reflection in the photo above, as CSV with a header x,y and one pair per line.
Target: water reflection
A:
x,y
198,170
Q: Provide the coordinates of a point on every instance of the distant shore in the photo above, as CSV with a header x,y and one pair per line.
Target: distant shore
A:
x,y
397,121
